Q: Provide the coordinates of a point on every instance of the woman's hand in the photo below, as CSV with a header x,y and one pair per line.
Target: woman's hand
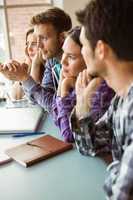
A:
x,y
15,71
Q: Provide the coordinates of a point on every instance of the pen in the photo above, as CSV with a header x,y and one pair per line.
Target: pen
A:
x,y
28,134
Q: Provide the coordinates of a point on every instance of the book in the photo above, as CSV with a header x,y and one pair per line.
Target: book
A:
x,y
38,149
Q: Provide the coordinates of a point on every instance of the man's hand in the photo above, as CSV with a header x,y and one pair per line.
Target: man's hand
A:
x,y
85,89
38,59
15,71
37,67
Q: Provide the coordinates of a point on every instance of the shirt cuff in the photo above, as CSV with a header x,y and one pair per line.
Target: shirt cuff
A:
x,y
29,84
77,124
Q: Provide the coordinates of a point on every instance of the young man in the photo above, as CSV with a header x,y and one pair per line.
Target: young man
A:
x,y
107,39
49,27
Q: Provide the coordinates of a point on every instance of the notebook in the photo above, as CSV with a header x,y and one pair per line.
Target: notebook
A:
x,y
15,120
38,149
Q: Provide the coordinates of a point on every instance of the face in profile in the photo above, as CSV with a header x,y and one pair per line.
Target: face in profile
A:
x,y
72,60
89,56
31,45
48,40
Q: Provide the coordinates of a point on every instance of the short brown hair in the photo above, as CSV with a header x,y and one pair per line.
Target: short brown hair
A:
x,y
111,22
55,16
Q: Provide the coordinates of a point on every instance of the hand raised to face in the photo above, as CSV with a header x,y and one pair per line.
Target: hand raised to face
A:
x,y
65,84
85,88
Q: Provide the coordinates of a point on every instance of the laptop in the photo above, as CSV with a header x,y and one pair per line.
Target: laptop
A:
x,y
18,120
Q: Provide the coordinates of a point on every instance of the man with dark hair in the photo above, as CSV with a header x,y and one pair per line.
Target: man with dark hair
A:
x,y
50,27
107,39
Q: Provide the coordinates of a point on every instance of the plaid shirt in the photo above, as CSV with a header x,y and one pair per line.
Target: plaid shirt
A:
x,y
62,107
43,93
114,131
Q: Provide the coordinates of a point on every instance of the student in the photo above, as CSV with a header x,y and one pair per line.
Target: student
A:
x,y
35,63
107,41
72,64
49,27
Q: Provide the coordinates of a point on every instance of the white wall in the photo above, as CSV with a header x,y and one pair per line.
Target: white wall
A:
x,y
71,6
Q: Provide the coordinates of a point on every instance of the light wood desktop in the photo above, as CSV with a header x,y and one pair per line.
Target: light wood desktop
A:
x,y
66,176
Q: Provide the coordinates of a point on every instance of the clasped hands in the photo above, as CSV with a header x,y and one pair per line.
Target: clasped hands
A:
x,y
15,71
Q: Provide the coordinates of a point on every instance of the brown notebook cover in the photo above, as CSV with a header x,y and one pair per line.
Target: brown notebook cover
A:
x,y
36,150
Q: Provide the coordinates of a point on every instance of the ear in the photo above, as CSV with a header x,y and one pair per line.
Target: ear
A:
x,y
101,50
62,38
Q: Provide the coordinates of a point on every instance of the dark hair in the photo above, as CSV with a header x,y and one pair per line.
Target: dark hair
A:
x,y
28,33
111,22
55,16
75,34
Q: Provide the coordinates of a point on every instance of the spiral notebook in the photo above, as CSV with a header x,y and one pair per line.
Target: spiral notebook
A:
x,y
38,149
18,120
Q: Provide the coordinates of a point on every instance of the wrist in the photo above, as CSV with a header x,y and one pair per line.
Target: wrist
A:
x,y
82,112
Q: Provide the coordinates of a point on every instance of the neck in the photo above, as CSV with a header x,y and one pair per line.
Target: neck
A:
x,y
119,77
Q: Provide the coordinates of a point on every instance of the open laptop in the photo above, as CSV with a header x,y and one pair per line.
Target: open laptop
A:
x,y
18,120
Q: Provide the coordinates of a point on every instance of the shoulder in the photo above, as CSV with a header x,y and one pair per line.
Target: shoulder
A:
x,y
128,102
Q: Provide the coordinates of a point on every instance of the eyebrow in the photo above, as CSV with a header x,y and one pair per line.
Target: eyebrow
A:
x,y
70,54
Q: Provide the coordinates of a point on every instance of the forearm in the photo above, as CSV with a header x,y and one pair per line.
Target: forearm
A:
x,y
91,138
39,94
61,110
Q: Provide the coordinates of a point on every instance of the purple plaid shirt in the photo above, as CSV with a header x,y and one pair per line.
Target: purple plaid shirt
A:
x,y
62,107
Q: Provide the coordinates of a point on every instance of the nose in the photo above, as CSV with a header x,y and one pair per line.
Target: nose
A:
x,y
30,48
64,59
39,43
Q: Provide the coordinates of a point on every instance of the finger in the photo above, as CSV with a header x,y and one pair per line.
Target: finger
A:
x,y
4,67
94,84
11,67
78,82
15,62
84,78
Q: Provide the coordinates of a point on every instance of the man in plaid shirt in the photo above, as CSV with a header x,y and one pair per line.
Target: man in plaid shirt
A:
x,y
107,38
